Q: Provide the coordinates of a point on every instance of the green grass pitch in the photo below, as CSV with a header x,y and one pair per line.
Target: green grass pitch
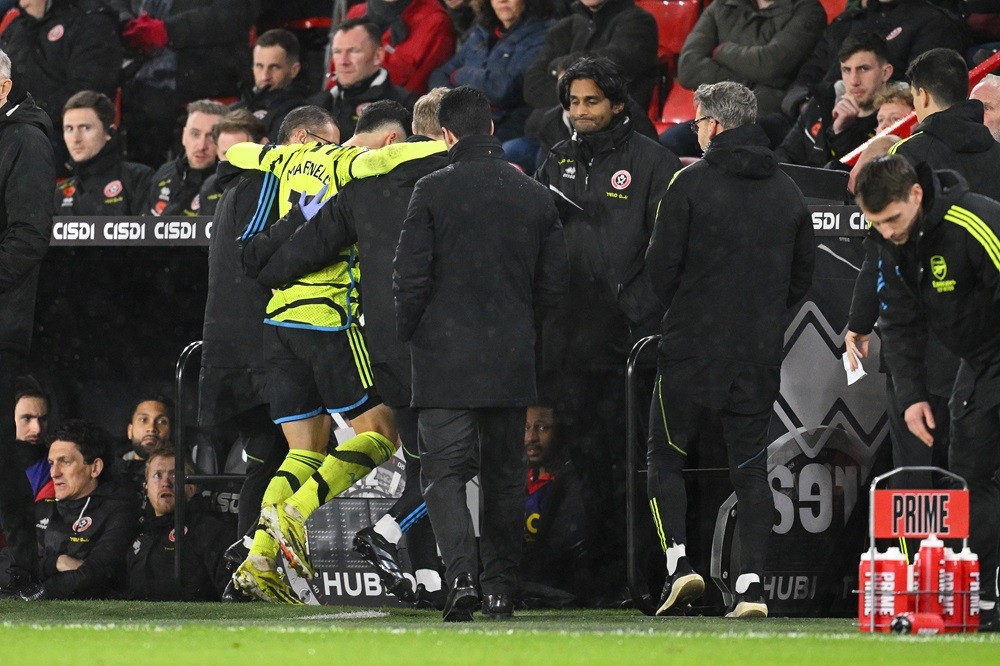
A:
x,y
147,634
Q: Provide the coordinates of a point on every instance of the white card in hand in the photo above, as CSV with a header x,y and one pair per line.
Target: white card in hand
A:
x,y
852,375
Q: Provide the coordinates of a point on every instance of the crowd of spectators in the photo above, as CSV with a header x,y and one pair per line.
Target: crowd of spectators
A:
x,y
150,94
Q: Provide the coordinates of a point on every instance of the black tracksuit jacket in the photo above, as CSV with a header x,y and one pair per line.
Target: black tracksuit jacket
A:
x,y
96,529
945,278
811,141
271,106
150,561
175,188
369,212
105,185
475,268
731,252
346,104
26,177
232,359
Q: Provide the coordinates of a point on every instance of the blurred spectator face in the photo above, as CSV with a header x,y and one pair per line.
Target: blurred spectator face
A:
x,y
150,426
34,8
863,76
990,97
160,485
589,110
83,133
355,56
539,432
272,68
31,415
71,476
197,139
508,11
227,140
592,5
890,113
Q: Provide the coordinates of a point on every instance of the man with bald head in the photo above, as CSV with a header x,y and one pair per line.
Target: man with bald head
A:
x,y
987,91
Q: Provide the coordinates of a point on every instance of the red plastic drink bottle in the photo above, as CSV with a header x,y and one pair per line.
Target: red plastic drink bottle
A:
x,y
970,571
929,567
954,592
890,586
917,623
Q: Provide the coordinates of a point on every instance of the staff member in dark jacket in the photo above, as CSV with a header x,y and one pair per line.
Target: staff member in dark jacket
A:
x,y
150,562
940,249
728,278
101,182
607,181
86,531
468,278
60,47
26,177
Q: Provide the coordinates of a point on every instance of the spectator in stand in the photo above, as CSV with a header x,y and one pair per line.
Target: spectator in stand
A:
x,y
841,117
987,91
26,177
150,561
558,564
31,415
607,182
276,87
615,29
358,55
759,43
60,47
186,50
909,27
85,532
148,428
892,103
508,37
462,15
417,35
176,184
237,126
100,182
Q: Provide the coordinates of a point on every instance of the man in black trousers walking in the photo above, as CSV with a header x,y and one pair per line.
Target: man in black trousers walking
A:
x,y
480,257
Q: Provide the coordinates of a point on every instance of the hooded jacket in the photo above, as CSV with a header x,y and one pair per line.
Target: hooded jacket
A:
x,y
957,139
105,185
71,48
370,212
26,176
270,106
734,40
232,359
945,278
346,104
175,188
494,62
150,560
474,268
617,30
96,529
727,271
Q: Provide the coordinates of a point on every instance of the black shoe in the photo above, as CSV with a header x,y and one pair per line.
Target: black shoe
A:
x,y
23,590
498,607
680,589
382,555
462,599
750,603
429,600
232,595
989,620
237,553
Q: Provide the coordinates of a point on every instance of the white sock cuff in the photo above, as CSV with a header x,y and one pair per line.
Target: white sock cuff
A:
x,y
429,578
674,554
744,581
389,528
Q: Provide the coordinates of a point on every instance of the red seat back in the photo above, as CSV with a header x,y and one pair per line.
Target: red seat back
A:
x,y
674,20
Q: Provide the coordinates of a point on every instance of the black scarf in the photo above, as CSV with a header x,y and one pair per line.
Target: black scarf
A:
x,y
389,16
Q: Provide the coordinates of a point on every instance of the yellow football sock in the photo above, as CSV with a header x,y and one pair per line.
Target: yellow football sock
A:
x,y
349,462
297,467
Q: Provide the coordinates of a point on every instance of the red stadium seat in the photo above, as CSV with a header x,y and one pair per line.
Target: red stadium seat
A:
x,y
8,17
678,109
833,8
674,20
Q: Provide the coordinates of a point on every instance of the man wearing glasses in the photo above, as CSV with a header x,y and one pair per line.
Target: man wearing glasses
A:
x,y
731,251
